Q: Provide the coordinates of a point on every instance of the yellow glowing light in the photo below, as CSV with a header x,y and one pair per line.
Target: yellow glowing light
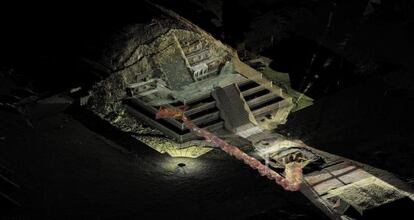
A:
x,y
191,152
172,148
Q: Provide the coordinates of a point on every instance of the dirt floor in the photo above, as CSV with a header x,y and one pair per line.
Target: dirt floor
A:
x,y
66,170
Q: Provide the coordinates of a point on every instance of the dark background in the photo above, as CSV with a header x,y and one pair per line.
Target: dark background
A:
x,y
70,166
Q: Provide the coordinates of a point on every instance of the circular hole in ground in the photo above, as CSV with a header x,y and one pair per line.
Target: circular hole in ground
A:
x,y
181,164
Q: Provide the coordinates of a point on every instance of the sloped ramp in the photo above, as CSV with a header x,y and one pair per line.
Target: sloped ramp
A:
x,y
234,110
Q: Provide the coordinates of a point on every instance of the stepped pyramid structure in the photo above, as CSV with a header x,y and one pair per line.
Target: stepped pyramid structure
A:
x,y
176,63
171,62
